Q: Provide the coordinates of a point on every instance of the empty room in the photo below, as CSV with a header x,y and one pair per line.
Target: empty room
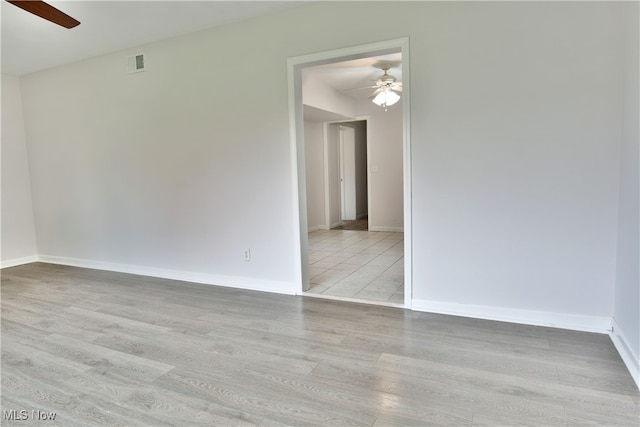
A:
x,y
171,246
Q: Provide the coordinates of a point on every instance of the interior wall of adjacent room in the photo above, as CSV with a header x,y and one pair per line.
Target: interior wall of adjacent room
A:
x,y
18,230
627,291
316,93
385,143
333,174
314,173
385,139
515,150
360,128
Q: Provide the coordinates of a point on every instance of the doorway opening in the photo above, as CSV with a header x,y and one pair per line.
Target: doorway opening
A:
x,y
353,176
365,177
348,189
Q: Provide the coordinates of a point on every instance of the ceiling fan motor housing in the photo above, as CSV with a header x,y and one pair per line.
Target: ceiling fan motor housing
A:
x,y
387,79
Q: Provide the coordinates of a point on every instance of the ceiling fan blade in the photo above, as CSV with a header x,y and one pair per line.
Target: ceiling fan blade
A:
x,y
376,92
46,11
360,88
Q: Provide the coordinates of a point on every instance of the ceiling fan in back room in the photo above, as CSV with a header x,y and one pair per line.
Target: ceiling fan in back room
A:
x,y
386,88
46,11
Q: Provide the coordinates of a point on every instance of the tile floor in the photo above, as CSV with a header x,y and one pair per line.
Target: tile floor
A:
x,y
365,265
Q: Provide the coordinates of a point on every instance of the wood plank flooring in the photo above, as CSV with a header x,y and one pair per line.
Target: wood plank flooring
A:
x,y
102,348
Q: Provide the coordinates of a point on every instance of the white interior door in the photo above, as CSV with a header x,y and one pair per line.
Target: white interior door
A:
x,y
348,172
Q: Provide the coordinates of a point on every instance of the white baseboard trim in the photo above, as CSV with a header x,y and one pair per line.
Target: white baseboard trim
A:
x,y
316,228
247,283
334,225
19,261
631,360
576,322
391,229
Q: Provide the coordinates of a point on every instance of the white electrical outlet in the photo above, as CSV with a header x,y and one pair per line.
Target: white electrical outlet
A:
x,y
247,254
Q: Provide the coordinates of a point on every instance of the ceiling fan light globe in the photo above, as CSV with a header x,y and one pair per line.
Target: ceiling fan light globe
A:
x,y
392,97
379,99
386,98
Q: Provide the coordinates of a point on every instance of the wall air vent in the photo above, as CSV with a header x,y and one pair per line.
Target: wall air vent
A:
x,y
135,63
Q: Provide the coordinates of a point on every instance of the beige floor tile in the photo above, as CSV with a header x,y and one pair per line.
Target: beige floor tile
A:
x,y
323,264
330,277
374,295
360,259
347,267
340,291
318,255
316,288
337,257
397,298
367,265
381,285
315,271
384,260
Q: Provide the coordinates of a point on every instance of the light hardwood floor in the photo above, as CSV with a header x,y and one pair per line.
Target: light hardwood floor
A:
x,y
102,348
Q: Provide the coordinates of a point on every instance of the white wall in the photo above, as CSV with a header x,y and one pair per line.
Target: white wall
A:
x,y
515,113
314,156
18,231
626,310
385,165
333,169
360,128
168,172
516,157
318,94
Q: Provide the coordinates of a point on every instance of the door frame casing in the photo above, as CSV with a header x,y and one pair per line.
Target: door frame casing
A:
x,y
296,140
